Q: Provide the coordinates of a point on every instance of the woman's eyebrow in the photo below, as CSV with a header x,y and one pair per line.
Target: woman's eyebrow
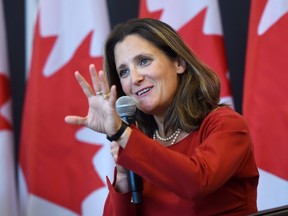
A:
x,y
135,59
121,67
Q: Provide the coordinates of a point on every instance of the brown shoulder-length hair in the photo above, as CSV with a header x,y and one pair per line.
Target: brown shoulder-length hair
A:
x,y
198,89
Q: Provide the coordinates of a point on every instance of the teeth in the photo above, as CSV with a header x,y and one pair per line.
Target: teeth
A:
x,y
143,91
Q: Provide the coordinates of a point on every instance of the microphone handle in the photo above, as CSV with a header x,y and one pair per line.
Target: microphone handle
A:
x,y
135,186
134,180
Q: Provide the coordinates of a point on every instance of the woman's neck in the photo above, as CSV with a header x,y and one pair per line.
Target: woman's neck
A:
x,y
160,123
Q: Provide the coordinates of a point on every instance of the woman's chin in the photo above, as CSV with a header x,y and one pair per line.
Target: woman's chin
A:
x,y
146,108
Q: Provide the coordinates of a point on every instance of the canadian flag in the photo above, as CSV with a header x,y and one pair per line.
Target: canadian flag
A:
x,y
8,200
199,24
63,167
265,98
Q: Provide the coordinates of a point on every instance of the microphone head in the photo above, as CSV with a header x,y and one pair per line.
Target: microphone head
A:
x,y
125,106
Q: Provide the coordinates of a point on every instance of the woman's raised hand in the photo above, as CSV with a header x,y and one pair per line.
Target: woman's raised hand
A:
x,y
102,115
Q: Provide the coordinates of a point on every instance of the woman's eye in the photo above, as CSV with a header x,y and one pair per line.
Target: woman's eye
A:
x,y
123,73
144,61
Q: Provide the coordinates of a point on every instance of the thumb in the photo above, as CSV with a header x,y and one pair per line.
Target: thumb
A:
x,y
77,120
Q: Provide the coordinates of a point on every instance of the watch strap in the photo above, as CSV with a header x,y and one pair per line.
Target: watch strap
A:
x,y
119,133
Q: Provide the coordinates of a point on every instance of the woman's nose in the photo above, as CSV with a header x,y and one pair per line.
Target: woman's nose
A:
x,y
136,76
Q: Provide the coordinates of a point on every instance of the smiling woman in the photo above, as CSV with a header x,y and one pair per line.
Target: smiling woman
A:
x,y
194,154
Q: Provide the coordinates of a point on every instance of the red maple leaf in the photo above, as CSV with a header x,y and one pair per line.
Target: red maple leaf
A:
x,y
210,48
57,167
144,12
265,96
4,97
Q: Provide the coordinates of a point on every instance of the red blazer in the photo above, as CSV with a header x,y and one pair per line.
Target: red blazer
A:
x,y
210,172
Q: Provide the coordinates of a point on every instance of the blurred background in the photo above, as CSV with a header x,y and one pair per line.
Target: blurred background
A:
x,y
57,169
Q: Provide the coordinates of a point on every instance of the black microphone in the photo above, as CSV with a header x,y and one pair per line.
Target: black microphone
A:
x,y
126,108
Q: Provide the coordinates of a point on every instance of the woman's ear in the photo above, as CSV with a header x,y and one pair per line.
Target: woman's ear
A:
x,y
181,66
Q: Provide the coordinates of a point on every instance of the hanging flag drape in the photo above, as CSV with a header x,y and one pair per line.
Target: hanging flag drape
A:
x,y
199,24
8,200
63,167
265,98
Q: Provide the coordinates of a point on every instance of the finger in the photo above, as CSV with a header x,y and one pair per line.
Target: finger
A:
x,y
104,84
114,150
114,154
95,78
84,84
113,96
114,145
77,120
121,169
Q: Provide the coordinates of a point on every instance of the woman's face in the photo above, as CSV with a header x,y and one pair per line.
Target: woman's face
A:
x,y
146,74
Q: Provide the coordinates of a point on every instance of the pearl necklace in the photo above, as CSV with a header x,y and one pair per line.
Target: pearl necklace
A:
x,y
172,137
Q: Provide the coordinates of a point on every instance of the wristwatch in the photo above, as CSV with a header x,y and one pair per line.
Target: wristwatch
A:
x,y
119,133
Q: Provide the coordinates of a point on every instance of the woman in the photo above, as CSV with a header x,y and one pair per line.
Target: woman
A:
x,y
194,154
